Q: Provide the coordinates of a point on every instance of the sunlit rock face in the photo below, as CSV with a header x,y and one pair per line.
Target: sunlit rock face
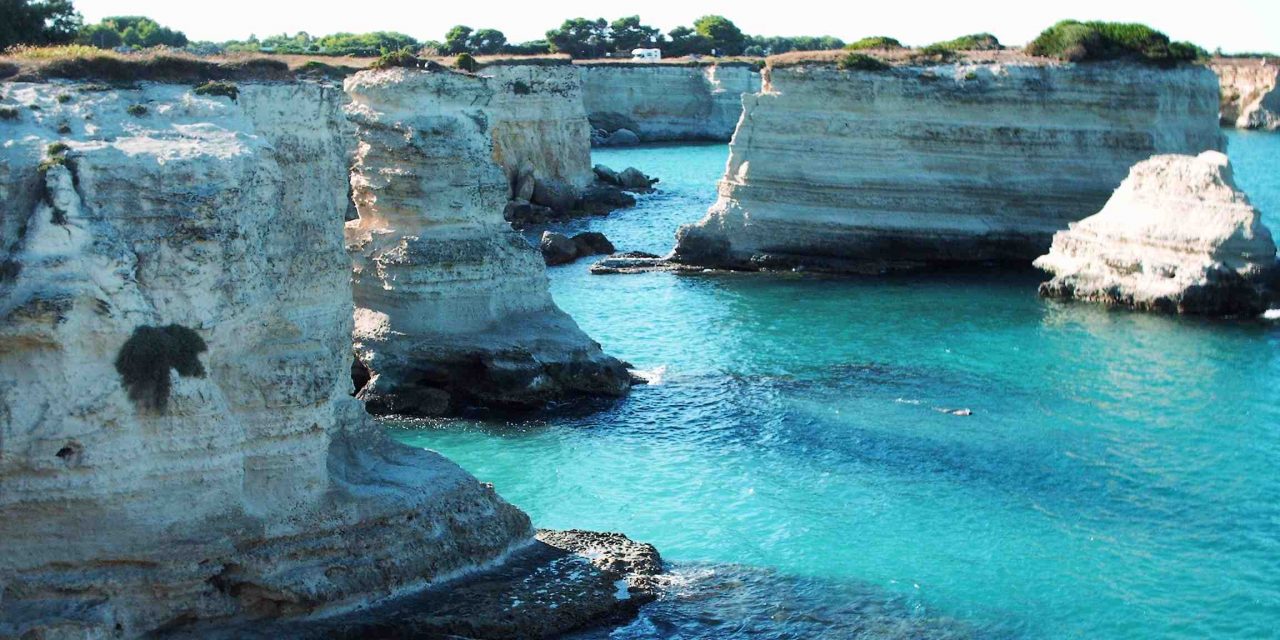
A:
x,y
914,166
537,122
178,442
452,306
1177,236
1250,96
660,102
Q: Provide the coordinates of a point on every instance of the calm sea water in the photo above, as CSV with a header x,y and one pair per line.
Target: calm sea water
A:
x,y
1119,476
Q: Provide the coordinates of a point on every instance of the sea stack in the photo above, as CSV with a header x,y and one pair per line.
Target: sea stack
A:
x,y
452,306
1177,236
899,167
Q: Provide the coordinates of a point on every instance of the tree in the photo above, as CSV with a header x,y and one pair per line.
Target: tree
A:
x,y
581,38
487,41
455,41
726,37
37,23
686,41
627,34
134,31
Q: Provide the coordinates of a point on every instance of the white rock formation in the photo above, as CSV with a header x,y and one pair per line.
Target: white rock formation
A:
x,y
232,481
1177,236
1250,95
537,121
452,306
875,170
667,101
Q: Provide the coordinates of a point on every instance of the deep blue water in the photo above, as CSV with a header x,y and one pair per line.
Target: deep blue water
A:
x,y
1119,476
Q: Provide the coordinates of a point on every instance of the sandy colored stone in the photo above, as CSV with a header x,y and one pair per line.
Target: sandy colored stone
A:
x,y
1176,236
969,162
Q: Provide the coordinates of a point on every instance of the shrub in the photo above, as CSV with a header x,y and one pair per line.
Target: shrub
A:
x,y
399,58
8,113
137,110
874,42
934,53
971,42
465,62
64,98
56,148
971,76
145,359
48,163
1098,41
218,88
520,87
861,62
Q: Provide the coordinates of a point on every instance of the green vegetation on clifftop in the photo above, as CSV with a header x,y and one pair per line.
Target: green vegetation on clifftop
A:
x,y
1076,41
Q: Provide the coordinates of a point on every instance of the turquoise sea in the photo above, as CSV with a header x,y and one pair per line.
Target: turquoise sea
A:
x,y
1119,476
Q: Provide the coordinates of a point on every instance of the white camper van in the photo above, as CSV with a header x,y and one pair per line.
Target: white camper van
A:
x,y
646,55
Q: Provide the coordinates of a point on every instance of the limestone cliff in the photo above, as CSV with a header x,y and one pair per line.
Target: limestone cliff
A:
x,y
1176,236
1250,97
537,121
875,170
667,102
452,306
177,436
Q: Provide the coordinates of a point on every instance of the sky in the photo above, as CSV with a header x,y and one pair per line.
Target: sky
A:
x,y
1233,25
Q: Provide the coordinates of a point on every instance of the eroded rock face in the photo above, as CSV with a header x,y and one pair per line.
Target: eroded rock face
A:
x,y
667,102
873,171
258,487
1250,96
451,303
1177,236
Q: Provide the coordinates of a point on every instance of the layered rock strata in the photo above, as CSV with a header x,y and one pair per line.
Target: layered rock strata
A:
x,y
178,440
1249,93
452,306
661,102
1177,236
910,166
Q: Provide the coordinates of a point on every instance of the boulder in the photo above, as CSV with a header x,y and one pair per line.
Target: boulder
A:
x,y
599,137
605,174
556,194
590,243
634,179
557,248
521,213
1176,236
622,138
612,121
600,199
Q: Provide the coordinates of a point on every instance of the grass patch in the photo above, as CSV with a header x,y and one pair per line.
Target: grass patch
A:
x,y
218,88
78,62
145,359
874,42
136,110
860,62
1098,41
56,148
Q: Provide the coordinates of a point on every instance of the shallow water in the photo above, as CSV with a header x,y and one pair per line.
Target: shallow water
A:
x,y
1118,477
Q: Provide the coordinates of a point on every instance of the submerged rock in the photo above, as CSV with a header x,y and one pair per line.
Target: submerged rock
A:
x,y
1177,236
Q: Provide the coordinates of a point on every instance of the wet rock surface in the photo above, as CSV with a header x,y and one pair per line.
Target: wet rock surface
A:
x,y
563,581
558,248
